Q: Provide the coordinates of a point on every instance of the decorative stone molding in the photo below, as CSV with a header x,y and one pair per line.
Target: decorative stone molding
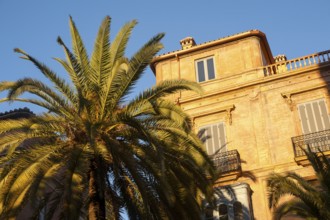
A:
x,y
288,95
254,95
228,109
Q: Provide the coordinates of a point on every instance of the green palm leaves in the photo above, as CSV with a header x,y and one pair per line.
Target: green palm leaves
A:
x,y
311,201
95,154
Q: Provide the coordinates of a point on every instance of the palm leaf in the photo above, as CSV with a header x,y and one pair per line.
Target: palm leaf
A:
x,y
138,63
59,83
86,75
100,59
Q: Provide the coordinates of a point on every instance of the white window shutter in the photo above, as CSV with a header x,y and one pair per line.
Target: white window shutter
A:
x,y
314,116
215,138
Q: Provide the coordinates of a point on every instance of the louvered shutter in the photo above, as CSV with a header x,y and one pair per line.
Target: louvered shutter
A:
x,y
314,116
324,115
215,138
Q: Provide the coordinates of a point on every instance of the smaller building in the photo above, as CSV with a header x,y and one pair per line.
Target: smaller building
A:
x,y
15,114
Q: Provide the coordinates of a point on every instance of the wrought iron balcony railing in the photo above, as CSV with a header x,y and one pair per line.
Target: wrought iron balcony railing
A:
x,y
227,161
317,141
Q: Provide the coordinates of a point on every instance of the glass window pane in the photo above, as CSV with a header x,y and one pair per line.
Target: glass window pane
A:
x,y
210,68
223,212
238,212
201,72
209,213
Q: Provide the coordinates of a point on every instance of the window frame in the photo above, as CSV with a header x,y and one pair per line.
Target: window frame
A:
x,y
205,69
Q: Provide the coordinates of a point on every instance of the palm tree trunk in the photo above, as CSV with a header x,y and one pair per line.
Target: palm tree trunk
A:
x,y
96,209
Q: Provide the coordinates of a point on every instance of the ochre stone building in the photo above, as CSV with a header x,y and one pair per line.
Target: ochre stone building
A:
x,y
255,112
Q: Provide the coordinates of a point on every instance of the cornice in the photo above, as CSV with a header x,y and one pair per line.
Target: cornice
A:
x,y
228,109
288,95
255,82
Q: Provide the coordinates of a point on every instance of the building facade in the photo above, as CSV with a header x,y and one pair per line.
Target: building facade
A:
x,y
256,112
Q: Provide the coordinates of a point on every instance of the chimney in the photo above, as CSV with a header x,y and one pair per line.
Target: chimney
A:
x,y
282,65
187,42
280,58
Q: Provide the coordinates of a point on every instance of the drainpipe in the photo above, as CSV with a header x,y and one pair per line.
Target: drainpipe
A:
x,y
179,73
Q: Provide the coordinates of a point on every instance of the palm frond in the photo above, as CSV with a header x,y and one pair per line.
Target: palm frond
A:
x,y
74,183
119,44
100,59
59,83
38,88
5,85
137,65
314,199
294,207
26,170
80,53
45,105
168,87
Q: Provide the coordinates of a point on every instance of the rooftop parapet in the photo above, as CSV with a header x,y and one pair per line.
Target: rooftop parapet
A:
x,y
284,66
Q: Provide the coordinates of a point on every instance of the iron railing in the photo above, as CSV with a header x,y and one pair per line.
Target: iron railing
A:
x,y
227,161
317,141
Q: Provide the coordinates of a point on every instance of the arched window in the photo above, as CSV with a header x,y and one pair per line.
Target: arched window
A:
x,y
238,211
208,213
223,212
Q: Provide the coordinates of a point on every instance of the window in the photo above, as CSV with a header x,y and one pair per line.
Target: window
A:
x,y
205,69
238,211
223,212
214,137
208,213
233,202
314,116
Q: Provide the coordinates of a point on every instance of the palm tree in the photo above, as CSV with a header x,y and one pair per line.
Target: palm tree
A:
x,y
310,201
94,152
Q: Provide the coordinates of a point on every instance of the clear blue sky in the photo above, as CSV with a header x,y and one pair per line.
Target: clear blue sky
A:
x,y
294,28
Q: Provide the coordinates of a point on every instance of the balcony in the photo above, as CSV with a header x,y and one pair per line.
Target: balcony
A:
x,y
317,141
320,58
229,163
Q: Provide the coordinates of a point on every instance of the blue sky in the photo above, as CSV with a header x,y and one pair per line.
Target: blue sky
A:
x,y
294,28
